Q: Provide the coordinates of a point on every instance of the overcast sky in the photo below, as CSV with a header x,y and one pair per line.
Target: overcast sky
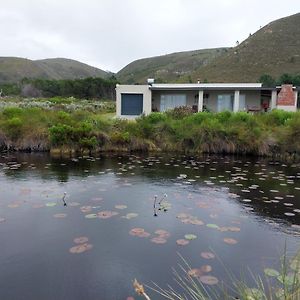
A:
x,y
109,34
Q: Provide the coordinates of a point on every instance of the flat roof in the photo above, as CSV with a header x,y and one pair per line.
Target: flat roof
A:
x,y
206,86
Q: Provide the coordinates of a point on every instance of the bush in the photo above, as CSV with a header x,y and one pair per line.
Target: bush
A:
x,y
14,127
120,138
88,143
180,112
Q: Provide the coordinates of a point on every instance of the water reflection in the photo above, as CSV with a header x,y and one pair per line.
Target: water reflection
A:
x,y
132,215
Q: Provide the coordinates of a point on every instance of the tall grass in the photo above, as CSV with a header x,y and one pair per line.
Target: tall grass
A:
x,y
284,285
34,128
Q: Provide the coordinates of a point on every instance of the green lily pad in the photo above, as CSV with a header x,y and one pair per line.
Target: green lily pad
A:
x,y
51,204
214,226
91,216
190,237
271,272
130,216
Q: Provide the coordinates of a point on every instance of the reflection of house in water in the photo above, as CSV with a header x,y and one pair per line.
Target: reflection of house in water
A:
x,y
134,100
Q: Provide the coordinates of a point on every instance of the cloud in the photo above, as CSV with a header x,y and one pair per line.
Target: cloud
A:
x,y
110,34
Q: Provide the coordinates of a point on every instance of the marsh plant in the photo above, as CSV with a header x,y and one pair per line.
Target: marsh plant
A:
x,y
282,284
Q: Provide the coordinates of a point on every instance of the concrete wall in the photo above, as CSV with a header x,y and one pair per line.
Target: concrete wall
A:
x,y
133,89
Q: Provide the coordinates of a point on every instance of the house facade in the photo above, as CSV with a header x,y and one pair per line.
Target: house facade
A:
x,y
135,100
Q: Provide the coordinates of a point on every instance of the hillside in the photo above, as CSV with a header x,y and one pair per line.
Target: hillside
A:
x,y
274,49
168,67
13,69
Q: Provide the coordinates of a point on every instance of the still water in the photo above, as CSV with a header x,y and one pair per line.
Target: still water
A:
x,y
230,214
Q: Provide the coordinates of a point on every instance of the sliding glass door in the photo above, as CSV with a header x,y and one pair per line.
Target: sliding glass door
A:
x,y
171,101
225,102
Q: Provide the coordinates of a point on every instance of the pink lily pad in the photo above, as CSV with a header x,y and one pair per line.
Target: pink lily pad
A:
x,y
230,241
182,242
195,273
107,214
207,255
80,240
158,240
81,248
206,268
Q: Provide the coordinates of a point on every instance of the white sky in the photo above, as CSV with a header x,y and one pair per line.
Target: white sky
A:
x,y
109,34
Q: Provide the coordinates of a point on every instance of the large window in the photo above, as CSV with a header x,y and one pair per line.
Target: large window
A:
x,y
225,102
172,101
131,104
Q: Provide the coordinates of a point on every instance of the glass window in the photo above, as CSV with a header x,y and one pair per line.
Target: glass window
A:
x,y
225,102
172,101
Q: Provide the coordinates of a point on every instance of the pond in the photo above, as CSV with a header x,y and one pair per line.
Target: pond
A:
x,y
85,227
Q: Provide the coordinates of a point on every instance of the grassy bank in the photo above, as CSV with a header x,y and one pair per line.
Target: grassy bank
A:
x,y
80,125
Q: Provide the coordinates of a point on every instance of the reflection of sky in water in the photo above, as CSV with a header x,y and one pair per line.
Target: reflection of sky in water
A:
x,y
34,253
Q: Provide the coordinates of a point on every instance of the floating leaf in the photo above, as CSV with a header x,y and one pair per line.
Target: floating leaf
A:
x,y
288,279
207,255
91,216
271,272
195,272
206,268
2,220
107,214
209,280
130,216
50,204
214,226
59,216
120,206
230,241
81,240
182,242
80,248
158,240
190,236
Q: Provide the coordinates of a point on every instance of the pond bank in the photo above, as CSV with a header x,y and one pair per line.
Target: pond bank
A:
x,y
275,134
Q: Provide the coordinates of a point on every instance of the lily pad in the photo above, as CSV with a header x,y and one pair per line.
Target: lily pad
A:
x,y
214,226
130,216
182,242
230,241
91,216
81,248
158,240
120,206
206,268
190,237
2,220
59,216
81,240
288,279
107,214
209,280
50,204
195,272
207,255
271,272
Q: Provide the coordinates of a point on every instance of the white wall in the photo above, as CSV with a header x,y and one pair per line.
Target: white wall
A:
x,y
133,89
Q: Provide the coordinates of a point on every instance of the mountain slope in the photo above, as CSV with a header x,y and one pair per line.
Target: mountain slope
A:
x,y
168,67
13,69
274,50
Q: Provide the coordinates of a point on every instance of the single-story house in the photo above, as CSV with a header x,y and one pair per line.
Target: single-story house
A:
x,y
135,100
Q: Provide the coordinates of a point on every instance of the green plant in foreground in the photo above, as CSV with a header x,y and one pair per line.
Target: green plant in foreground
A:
x,y
284,285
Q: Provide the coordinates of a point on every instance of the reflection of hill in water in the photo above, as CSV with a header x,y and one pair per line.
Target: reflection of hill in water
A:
x,y
266,188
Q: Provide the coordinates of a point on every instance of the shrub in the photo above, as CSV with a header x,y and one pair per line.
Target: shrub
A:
x,y
120,138
60,134
13,127
88,143
11,112
180,112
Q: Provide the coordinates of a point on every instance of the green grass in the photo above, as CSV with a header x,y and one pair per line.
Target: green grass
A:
x,y
81,125
282,284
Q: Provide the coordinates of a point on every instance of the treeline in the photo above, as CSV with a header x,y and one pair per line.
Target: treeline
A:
x,y
269,81
88,88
